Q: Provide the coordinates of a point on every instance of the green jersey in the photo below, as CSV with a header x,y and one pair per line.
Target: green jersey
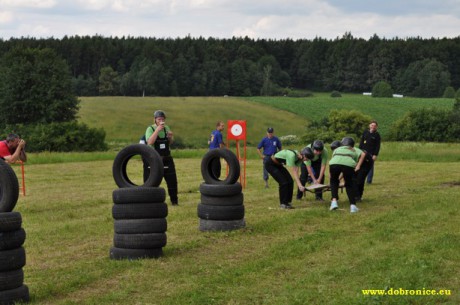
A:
x,y
161,134
289,157
324,156
346,155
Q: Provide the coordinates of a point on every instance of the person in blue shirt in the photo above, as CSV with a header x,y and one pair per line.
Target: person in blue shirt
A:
x,y
270,145
216,141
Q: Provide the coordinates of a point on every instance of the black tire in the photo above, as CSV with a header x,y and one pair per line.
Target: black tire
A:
x,y
229,157
218,190
9,187
139,210
225,201
211,212
131,254
11,279
139,195
149,154
13,296
12,239
12,259
140,226
221,225
139,241
10,221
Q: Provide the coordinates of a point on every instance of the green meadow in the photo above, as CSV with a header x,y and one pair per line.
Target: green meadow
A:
x,y
193,118
405,237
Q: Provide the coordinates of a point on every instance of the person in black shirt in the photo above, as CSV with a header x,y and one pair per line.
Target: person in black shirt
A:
x,y
370,142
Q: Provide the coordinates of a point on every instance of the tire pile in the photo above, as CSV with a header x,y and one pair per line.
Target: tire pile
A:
x,y
221,207
139,212
12,237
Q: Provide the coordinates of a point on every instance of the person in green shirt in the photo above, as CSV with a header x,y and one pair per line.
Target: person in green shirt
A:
x,y
314,170
275,167
160,137
345,160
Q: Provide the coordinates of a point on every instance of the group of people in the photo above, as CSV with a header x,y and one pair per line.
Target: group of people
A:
x,y
309,165
348,163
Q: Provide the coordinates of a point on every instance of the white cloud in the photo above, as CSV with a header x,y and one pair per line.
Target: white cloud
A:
x,y
28,3
296,19
6,17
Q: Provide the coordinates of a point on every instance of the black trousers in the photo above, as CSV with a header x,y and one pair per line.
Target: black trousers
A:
x,y
316,166
284,179
169,175
360,177
216,167
348,175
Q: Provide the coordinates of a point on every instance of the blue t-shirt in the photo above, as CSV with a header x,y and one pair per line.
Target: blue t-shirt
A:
x,y
271,146
216,139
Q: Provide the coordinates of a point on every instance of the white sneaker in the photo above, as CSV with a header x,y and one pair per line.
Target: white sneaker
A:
x,y
334,205
353,209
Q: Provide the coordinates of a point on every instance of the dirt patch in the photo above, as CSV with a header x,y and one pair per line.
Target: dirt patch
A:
x,y
451,184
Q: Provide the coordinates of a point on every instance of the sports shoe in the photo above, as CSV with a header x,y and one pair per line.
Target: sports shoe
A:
x,y
334,205
353,209
286,206
319,199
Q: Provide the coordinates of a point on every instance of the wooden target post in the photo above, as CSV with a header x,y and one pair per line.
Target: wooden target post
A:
x,y
236,131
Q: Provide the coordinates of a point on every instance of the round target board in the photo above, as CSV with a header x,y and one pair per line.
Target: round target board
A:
x,y
236,130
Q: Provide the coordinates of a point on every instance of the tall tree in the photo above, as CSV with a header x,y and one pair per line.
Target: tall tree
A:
x,y
35,87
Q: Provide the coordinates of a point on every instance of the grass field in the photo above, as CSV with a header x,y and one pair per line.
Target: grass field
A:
x,y
405,236
193,118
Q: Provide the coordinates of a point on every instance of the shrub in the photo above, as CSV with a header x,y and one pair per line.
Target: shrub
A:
x,y
426,124
63,137
457,95
336,94
340,123
449,92
382,89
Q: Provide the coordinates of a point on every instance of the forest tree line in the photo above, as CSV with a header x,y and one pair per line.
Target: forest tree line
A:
x,y
138,66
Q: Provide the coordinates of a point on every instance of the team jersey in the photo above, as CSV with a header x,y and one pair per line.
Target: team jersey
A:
x,y
345,155
324,156
288,157
271,146
216,139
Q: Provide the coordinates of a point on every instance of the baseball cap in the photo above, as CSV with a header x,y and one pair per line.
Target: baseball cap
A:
x,y
270,130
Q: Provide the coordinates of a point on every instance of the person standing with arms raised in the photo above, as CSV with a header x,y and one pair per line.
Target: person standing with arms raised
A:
x,y
160,137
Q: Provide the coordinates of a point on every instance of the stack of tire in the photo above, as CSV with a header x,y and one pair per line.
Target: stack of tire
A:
x,y
221,207
139,211
12,237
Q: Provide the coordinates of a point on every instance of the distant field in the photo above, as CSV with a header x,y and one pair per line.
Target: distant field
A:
x,y
384,110
192,119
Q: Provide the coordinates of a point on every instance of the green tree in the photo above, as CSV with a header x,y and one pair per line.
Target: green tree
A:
x,y
382,89
109,82
35,87
449,92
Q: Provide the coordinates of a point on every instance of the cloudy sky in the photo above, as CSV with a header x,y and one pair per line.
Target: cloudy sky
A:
x,y
295,19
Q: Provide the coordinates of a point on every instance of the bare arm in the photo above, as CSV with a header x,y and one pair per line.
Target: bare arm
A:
x,y
295,174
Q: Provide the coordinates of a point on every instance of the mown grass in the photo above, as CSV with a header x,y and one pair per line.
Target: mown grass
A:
x,y
390,151
192,119
405,236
